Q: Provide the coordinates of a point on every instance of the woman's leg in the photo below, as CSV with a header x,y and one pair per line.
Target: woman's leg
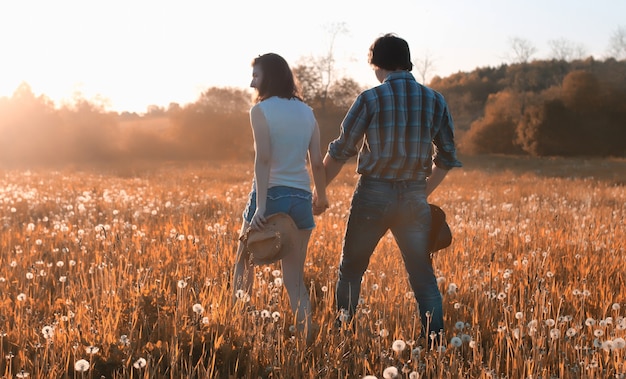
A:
x,y
293,278
243,276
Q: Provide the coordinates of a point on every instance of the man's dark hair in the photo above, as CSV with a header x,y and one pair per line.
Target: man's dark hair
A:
x,y
391,53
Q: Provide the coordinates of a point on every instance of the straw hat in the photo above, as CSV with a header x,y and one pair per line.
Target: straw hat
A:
x,y
273,242
440,235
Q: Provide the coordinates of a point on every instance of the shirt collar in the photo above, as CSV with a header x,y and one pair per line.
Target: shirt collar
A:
x,y
394,75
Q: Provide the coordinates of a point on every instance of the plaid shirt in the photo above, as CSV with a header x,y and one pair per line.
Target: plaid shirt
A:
x,y
406,126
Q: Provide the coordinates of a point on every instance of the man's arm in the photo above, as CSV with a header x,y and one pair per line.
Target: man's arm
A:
x,y
332,166
435,178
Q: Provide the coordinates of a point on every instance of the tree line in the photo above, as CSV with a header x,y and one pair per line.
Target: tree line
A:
x,y
540,108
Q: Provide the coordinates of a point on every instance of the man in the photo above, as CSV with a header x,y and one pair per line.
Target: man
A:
x,y
406,151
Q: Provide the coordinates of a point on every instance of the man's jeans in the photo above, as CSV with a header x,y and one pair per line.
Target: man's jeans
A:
x,y
379,206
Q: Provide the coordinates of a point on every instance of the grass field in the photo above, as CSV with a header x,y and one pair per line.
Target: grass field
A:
x,y
126,275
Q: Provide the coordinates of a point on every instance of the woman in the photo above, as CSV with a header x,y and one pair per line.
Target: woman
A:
x,y
285,133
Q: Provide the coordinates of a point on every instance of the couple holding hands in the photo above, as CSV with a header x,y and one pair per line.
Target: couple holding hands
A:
x,y
403,134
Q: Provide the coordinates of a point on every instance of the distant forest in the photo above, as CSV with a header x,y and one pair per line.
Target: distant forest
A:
x,y
539,108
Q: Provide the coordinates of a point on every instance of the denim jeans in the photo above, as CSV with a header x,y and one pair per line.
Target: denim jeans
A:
x,y
378,206
296,202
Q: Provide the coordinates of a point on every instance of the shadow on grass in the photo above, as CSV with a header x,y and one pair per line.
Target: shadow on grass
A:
x,y
604,169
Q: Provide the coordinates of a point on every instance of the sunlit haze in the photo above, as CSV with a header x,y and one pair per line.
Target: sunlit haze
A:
x,y
132,54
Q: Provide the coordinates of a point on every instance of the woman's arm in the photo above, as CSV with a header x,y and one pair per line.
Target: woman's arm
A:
x,y
262,157
317,169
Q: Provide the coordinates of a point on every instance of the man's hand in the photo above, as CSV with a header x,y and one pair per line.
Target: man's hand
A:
x,y
320,203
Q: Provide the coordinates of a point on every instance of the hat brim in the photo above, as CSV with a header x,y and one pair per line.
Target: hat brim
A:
x,y
440,235
273,242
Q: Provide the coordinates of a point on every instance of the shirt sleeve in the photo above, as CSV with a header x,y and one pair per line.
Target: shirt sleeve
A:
x,y
352,130
444,155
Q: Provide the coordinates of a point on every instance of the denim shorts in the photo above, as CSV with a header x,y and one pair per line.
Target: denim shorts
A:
x,y
296,202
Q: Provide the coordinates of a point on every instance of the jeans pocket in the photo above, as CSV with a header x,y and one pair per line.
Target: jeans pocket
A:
x,y
418,212
369,205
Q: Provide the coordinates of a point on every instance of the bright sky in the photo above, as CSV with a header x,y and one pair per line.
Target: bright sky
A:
x,y
137,53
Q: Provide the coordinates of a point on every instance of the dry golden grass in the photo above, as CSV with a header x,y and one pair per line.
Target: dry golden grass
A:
x,y
105,275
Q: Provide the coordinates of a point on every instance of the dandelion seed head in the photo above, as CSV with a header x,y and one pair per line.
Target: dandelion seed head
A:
x,y
452,288
616,306
182,283
383,333
516,333
590,321
619,343
607,345
198,308
140,363
519,315
390,372
276,273
598,332
555,333
398,346
415,352
276,316
278,282
92,349
571,332
29,275
456,341
81,365
47,331
550,322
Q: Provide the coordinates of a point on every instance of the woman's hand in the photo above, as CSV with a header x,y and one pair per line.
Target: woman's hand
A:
x,y
320,203
258,220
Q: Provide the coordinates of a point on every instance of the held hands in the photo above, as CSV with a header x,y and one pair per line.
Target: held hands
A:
x,y
320,203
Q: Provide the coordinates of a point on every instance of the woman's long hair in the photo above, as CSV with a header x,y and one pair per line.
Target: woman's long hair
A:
x,y
278,79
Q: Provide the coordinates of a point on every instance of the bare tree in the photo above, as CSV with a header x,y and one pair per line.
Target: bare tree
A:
x,y
566,50
424,66
521,50
617,43
326,63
